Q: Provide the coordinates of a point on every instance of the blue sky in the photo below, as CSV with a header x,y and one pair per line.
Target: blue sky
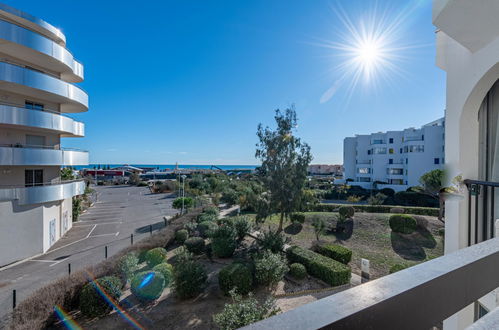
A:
x,y
189,81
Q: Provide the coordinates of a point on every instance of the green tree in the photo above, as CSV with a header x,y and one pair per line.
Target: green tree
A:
x,y
285,159
188,203
432,184
319,225
67,174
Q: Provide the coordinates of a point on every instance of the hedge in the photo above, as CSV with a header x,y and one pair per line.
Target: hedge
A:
x,y
195,245
330,271
235,276
403,223
298,271
336,252
416,210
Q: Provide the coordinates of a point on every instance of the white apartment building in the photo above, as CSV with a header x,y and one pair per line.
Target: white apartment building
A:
x,y
394,159
37,90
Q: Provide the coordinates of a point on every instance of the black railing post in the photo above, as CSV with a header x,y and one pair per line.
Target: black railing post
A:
x,y
469,215
69,269
105,251
13,299
492,205
150,229
131,239
477,203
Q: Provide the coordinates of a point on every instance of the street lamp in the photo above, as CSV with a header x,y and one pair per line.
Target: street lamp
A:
x,y
183,191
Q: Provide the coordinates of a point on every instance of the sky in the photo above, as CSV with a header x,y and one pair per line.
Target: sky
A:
x,y
189,81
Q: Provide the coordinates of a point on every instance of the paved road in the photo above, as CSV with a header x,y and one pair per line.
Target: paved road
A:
x,y
119,212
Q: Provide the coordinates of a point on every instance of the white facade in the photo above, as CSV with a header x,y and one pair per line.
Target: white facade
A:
x,y
393,159
37,76
468,50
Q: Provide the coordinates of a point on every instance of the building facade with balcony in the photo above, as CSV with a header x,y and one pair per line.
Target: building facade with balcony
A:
x,y
37,92
394,159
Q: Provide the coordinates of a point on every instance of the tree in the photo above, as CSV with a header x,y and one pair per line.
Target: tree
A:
x,y
432,184
285,159
319,225
188,203
67,174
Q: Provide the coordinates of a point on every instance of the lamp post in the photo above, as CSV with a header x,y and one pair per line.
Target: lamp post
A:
x,y
183,192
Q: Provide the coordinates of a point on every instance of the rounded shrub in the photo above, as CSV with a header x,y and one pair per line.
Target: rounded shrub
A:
x,y
92,303
205,228
346,212
397,267
155,256
166,270
271,240
213,210
127,265
235,276
270,268
148,285
242,226
195,245
181,235
206,217
189,278
298,271
402,223
223,241
297,218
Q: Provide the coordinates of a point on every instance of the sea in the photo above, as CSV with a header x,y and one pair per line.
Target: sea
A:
x,y
172,166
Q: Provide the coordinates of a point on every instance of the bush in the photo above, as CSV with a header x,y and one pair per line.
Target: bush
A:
x,y
207,217
429,211
377,199
189,278
191,228
411,198
270,268
188,203
397,210
155,256
223,241
346,212
354,199
181,235
235,276
230,197
195,245
244,312
330,271
166,270
298,271
271,240
389,192
206,228
127,265
148,285
92,303
297,218
242,226
336,252
213,210
142,184
402,223
319,225
397,267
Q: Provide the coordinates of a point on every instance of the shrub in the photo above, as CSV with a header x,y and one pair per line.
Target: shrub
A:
x,y
191,228
92,303
397,210
429,211
195,245
297,218
336,252
441,232
402,223
148,285
270,268
155,256
207,217
411,198
142,184
244,312
166,270
230,197
181,235
389,192
346,212
189,278
235,276
354,199
213,210
271,240
242,226
127,265
329,270
206,228
397,267
223,241
298,271
319,225
188,203
377,199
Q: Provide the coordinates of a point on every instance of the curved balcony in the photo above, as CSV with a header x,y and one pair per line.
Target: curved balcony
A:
x,y
42,193
44,120
25,81
33,23
26,155
34,48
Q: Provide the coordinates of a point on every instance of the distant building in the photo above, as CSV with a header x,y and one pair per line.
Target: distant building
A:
x,y
395,159
321,169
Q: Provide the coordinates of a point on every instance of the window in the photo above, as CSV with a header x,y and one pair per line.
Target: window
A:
x,y
394,171
407,160
379,151
401,150
363,170
416,148
391,151
390,161
363,179
406,149
378,141
390,140
33,178
422,137
369,151
396,181
436,161
480,311
35,140
33,105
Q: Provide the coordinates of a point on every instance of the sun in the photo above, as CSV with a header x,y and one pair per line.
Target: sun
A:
x,y
369,56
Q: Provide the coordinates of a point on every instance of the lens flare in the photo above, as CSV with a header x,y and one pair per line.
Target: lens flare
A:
x,y
146,280
66,320
368,48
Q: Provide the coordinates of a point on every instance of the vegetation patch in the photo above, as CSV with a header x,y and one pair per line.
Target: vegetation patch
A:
x,y
334,251
148,285
92,302
236,276
403,223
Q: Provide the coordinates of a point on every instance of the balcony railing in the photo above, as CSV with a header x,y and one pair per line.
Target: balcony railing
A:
x,y
419,297
481,210
42,192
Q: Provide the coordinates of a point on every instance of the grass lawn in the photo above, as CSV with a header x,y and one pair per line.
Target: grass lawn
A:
x,y
369,236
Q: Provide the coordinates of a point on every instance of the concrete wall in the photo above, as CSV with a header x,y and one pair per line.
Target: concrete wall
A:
x,y
13,136
14,175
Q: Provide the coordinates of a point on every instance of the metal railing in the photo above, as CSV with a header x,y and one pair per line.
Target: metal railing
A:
x,y
419,297
481,210
35,146
48,110
56,181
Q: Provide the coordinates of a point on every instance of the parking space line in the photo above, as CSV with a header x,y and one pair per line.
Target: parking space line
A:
x,y
91,231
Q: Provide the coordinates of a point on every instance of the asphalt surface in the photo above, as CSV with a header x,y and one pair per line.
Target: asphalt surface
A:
x,y
118,212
